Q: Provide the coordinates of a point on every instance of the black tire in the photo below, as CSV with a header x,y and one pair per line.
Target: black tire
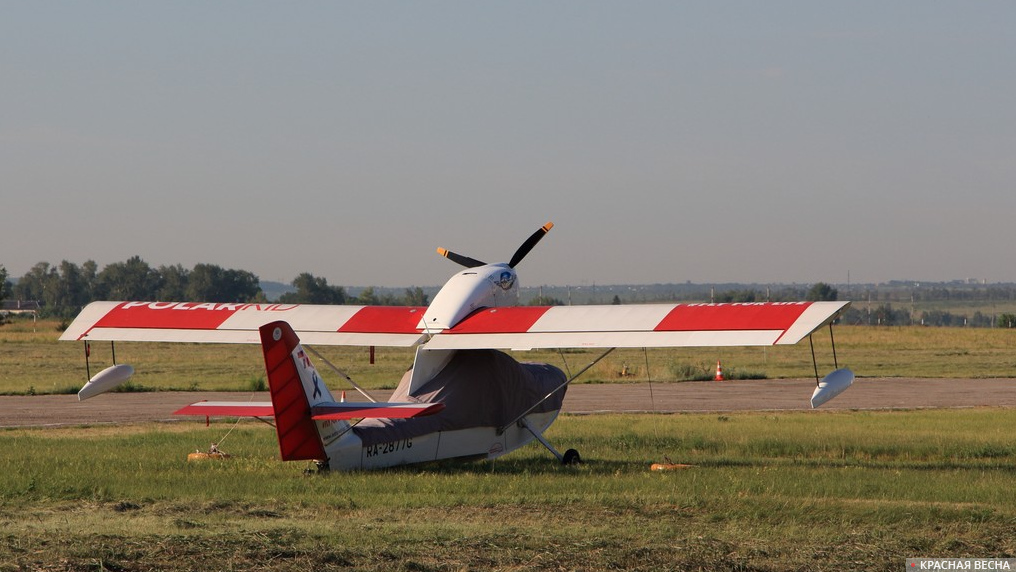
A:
x,y
571,457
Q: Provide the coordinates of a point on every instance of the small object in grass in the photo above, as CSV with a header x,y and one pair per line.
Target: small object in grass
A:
x,y
669,466
213,453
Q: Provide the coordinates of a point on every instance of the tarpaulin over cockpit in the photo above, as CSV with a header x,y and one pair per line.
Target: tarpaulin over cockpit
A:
x,y
479,388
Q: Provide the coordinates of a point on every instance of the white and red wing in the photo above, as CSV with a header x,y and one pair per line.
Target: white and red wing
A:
x,y
517,327
641,325
239,323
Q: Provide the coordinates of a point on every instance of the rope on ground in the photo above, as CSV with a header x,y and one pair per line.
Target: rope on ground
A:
x,y
235,423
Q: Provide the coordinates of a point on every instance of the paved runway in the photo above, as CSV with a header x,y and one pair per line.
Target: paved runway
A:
x,y
707,396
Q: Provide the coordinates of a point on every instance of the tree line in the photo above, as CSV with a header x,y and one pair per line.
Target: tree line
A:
x,y
63,289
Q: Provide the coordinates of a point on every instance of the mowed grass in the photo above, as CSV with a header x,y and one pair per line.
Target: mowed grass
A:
x,y
33,361
795,491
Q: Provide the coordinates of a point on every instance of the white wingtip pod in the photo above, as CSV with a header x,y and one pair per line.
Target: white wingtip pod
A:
x,y
832,385
105,380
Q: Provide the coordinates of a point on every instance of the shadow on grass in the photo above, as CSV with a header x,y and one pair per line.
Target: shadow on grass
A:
x,y
533,466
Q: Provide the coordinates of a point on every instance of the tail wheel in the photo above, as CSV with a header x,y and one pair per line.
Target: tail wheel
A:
x,y
571,457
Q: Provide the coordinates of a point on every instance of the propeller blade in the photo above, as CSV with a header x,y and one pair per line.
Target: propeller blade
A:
x,y
459,259
529,244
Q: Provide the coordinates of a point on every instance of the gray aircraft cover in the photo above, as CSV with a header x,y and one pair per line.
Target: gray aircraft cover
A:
x,y
480,388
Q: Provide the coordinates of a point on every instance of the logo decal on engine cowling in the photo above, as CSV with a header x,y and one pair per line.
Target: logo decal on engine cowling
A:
x,y
506,281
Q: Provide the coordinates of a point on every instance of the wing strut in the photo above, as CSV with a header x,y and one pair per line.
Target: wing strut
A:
x,y
814,362
553,391
340,372
88,354
836,364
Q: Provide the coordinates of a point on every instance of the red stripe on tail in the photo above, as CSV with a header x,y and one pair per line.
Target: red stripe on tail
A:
x,y
298,434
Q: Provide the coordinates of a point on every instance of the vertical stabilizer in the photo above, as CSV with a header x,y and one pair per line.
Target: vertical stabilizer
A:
x,y
295,386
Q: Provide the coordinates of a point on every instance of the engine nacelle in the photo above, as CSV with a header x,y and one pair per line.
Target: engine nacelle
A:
x,y
487,286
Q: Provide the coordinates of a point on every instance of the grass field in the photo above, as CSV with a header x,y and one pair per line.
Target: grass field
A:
x,y
789,491
861,490
32,360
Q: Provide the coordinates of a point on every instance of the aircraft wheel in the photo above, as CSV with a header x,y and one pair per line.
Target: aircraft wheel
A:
x,y
571,457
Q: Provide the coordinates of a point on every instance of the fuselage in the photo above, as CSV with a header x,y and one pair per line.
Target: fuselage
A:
x,y
356,449
384,443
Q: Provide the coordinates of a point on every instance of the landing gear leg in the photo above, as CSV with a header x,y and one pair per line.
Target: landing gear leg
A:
x,y
570,457
320,468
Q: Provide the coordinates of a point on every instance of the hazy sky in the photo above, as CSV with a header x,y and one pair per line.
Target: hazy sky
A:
x,y
667,141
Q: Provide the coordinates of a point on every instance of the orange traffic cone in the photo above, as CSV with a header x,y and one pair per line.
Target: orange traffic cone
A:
x,y
719,372
343,398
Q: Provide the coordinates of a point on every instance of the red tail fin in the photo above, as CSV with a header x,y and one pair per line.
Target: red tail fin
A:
x,y
298,433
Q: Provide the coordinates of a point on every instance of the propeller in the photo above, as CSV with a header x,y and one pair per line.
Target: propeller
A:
x,y
459,259
519,254
529,244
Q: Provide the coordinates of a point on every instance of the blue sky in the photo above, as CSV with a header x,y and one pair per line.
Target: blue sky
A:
x,y
668,142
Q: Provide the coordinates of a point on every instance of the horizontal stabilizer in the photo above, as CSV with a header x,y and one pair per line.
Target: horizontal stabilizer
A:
x,y
228,408
326,411
367,410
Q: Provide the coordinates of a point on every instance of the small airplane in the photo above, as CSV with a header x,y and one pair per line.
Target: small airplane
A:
x,y
463,397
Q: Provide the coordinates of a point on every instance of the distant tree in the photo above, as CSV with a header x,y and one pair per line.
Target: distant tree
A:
x,y
787,294
174,283
368,297
244,286
132,280
62,290
313,290
737,296
822,292
89,270
69,292
5,285
942,318
35,282
415,297
616,301
204,283
546,301
854,316
981,320
212,283
885,315
1006,321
